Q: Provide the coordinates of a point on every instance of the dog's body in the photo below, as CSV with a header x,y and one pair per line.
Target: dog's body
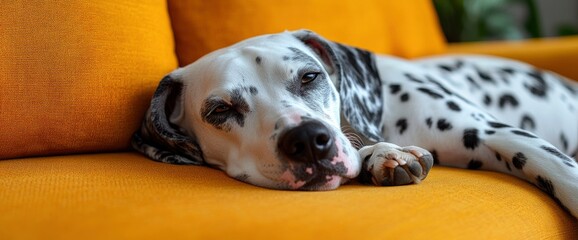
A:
x,y
270,110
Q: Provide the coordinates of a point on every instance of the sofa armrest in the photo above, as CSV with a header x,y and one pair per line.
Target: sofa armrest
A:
x,y
556,54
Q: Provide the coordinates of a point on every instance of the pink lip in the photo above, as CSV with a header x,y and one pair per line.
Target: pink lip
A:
x,y
332,181
290,179
341,157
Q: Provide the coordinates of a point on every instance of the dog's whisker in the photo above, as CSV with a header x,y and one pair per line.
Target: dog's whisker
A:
x,y
353,138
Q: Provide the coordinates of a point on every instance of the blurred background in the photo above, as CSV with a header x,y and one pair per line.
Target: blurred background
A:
x,y
486,20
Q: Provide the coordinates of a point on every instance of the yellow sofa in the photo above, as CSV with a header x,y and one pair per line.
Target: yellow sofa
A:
x,y
77,77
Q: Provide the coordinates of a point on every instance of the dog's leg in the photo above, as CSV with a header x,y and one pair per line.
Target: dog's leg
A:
x,y
387,164
494,146
537,161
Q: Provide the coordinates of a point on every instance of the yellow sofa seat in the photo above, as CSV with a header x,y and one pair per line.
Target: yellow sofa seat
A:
x,y
126,196
78,75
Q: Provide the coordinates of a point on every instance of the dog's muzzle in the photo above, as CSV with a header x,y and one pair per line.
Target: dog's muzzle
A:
x,y
313,157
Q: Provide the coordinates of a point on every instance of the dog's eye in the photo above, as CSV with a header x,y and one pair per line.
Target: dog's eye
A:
x,y
221,108
309,77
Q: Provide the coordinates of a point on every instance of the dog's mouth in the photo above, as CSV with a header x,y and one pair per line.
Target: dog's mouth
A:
x,y
321,174
314,177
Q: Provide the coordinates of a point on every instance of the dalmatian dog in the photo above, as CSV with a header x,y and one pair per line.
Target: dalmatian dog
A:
x,y
296,111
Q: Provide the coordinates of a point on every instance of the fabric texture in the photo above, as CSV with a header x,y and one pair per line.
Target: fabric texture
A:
x,y
77,76
127,196
381,26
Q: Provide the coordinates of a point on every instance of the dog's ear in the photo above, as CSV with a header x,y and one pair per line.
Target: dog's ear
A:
x,y
323,48
358,82
159,138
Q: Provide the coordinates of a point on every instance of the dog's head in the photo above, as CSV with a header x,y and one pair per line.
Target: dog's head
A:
x,y
265,110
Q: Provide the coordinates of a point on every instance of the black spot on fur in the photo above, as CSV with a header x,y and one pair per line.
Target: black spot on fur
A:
x,y
453,106
450,68
523,133
466,100
504,77
508,99
475,164
444,125
402,125
258,60
471,139
546,185
538,87
490,132
459,63
519,160
487,100
428,122
498,157
439,85
564,141
498,125
430,93
394,88
554,152
253,90
286,104
475,117
507,70
412,78
571,89
404,97
473,82
508,166
527,123
446,67
485,76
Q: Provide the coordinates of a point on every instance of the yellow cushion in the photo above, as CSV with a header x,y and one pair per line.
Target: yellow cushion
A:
x,y
404,28
77,76
127,196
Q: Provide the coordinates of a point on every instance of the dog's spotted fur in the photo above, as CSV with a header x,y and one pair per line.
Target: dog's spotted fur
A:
x,y
289,111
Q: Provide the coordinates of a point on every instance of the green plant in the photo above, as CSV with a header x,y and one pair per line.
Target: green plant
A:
x,y
477,20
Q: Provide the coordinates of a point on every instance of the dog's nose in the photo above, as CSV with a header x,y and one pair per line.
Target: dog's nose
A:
x,y
309,141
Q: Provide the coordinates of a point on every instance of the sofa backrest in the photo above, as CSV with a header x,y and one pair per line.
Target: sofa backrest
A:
x,y
77,76
402,28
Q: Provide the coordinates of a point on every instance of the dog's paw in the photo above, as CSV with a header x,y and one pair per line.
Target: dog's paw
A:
x,y
387,164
